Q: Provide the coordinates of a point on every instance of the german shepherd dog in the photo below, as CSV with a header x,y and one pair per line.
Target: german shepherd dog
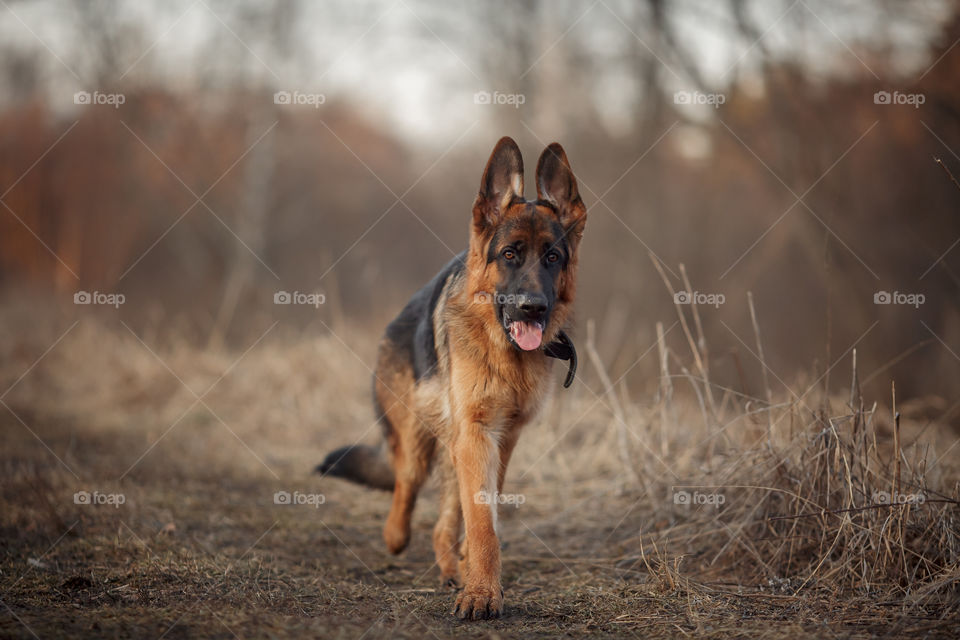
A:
x,y
465,366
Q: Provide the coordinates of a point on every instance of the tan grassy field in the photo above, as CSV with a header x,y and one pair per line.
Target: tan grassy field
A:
x,y
782,536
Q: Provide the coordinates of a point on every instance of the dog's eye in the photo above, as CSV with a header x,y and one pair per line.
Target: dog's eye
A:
x,y
509,254
553,256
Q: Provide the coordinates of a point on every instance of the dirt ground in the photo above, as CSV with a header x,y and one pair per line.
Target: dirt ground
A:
x,y
179,534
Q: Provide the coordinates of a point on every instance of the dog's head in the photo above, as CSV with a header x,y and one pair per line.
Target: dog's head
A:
x,y
527,250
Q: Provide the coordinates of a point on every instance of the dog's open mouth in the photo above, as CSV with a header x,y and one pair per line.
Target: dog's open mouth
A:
x,y
526,335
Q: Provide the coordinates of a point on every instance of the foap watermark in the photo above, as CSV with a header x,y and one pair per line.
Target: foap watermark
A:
x,y
686,498
97,97
912,299
297,498
97,498
111,299
885,497
485,497
499,99
912,99
696,297
298,98
484,297
298,297
698,98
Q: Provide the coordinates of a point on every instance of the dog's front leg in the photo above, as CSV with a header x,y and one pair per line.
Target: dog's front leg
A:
x,y
477,462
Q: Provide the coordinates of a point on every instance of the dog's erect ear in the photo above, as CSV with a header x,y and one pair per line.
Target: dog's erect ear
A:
x,y
502,181
557,185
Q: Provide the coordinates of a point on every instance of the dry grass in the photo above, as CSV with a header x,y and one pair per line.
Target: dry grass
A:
x,y
798,548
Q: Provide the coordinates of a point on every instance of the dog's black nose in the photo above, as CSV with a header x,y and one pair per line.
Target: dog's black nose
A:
x,y
532,304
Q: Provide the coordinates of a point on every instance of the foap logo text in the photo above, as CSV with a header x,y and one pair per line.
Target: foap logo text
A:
x,y
96,498
96,297
885,497
298,498
299,98
298,297
698,98
898,98
99,98
897,297
497,98
688,498
699,298
486,497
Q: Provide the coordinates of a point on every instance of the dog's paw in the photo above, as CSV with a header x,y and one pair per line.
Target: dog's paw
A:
x,y
396,537
479,603
450,583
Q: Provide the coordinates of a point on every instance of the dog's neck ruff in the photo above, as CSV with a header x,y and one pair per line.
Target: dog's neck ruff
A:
x,y
562,349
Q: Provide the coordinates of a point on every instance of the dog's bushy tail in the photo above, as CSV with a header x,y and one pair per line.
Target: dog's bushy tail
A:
x,y
359,463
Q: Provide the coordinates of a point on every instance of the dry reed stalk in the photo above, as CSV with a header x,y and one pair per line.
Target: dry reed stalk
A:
x,y
701,367
763,363
666,388
950,175
701,340
855,397
696,391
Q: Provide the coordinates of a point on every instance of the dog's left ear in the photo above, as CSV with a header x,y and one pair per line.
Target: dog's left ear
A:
x,y
557,185
502,182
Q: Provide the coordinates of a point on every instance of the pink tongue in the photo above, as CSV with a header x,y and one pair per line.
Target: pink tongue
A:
x,y
526,334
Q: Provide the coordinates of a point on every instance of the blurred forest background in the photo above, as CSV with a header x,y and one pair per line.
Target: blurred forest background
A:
x,y
200,196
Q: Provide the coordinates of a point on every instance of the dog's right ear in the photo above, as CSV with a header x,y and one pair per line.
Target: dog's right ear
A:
x,y
502,181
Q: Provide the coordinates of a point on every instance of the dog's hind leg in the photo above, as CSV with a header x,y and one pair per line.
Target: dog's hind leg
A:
x,y
412,447
446,533
412,457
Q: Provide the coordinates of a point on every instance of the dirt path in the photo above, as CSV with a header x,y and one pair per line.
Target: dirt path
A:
x,y
189,542
197,552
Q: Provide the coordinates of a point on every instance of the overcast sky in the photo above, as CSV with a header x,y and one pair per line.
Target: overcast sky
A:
x,y
408,60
